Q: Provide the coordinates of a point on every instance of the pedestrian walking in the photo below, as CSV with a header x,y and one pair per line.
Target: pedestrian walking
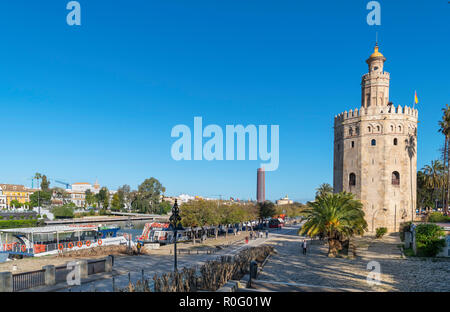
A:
x,y
267,233
251,235
304,247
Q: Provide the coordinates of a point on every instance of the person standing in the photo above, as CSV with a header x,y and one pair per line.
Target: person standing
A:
x,y
304,246
267,234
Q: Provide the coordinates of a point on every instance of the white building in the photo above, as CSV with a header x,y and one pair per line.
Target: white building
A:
x,y
78,192
2,199
285,201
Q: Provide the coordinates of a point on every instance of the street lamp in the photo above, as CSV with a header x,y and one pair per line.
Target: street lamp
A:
x,y
174,221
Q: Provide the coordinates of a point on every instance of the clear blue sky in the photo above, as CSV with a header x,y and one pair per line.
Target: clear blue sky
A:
x,y
100,100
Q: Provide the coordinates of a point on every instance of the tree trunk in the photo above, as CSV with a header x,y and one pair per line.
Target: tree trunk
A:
x,y
444,184
334,246
448,176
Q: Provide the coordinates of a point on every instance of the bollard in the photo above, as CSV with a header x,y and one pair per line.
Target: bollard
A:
x,y
6,284
83,268
113,284
108,264
253,271
49,275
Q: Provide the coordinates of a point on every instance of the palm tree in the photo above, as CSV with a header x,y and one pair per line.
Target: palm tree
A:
x,y
444,125
38,176
336,217
410,147
323,189
433,176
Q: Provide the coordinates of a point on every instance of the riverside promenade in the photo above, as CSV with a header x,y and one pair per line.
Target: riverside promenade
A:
x,y
133,268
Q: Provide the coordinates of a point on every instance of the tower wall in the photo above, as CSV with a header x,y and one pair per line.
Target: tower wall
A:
x,y
385,203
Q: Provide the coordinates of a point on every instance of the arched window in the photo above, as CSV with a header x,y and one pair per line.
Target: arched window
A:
x,y
395,141
378,128
353,144
395,178
392,128
373,142
400,128
350,131
352,179
357,130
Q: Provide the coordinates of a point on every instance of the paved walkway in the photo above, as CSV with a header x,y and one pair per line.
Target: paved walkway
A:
x,y
160,263
317,269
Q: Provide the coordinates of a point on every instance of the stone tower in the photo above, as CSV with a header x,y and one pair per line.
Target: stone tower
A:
x,y
375,152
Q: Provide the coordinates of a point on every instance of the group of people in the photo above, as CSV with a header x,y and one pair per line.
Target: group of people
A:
x,y
257,234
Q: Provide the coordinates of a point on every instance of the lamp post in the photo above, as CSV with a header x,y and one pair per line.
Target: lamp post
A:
x,y
174,221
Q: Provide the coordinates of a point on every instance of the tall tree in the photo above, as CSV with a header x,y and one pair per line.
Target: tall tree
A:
x,y
148,195
266,209
410,147
45,184
103,198
444,125
124,193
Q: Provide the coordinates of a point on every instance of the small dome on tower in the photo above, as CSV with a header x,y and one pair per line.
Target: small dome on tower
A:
x,y
376,53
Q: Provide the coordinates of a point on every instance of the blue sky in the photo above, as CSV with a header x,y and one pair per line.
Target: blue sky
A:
x,y
100,100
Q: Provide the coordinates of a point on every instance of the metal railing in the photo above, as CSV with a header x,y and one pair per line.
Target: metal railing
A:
x,y
28,280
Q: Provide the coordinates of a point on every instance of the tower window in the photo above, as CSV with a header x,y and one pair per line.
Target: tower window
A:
x,y
378,128
368,129
395,141
353,144
395,178
352,179
350,131
373,142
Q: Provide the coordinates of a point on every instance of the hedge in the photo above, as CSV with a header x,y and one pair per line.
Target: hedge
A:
x,y
8,224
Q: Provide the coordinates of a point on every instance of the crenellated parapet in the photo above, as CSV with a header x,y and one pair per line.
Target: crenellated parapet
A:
x,y
377,111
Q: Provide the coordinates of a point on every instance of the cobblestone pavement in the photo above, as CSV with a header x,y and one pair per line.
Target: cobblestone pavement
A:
x,y
317,269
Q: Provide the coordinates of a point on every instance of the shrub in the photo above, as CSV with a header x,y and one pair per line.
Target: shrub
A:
x,y
429,241
7,224
438,217
380,232
64,211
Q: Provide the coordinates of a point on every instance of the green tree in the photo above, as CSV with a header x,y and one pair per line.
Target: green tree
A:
x,y
15,203
324,189
164,207
266,210
64,211
336,217
124,196
410,147
103,198
40,198
89,198
146,199
115,203
444,128
45,184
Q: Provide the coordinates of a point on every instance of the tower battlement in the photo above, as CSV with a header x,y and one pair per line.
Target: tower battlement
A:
x,y
376,111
